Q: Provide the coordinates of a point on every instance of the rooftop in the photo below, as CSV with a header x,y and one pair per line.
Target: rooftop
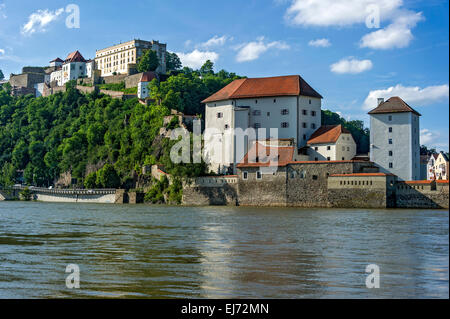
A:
x,y
292,85
75,57
361,175
148,76
394,105
327,134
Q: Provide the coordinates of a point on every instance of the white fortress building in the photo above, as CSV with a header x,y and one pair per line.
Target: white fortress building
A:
x,y
120,58
73,68
394,138
286,103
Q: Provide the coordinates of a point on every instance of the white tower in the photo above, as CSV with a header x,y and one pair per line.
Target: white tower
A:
x,y
394,138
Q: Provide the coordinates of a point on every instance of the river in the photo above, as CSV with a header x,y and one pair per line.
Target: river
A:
x,y
144,251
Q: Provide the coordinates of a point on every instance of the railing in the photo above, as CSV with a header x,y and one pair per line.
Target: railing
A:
x,y
66,191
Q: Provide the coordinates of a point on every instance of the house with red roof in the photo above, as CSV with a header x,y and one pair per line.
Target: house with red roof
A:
x,y
331,143
75,66
284,107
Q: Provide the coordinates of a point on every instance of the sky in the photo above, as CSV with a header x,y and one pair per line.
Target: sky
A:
x,y
350,51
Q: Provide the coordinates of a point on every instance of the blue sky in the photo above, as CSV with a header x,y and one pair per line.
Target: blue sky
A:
x,y
329,43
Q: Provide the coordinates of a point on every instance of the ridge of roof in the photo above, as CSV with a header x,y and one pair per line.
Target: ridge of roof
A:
x,y
327,134
394,105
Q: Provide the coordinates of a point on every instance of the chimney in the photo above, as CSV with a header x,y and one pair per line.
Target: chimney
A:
x,y
380,100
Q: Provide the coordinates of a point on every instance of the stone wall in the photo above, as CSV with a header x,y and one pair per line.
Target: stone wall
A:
x,y
426,194
27,80
114,79
225,195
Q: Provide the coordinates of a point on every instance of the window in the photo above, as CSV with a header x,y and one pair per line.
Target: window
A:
x,y
313,113
309,101
256,112
343,158
274,100
390,118
256,101
390,141
316,148
390,130
285,125
284,112
258,175
304,125
390,153
227,126
328,148
219,115
328,158
315,177
391,165
268,113
316,159
244,175
304,112
257,125
313,125
304,137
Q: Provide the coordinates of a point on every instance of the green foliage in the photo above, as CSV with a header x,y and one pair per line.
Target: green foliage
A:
x,y
7,175
156,193
148,62
2,76
173,62
113,86
91,180
25,194
107,177
207,68
359,132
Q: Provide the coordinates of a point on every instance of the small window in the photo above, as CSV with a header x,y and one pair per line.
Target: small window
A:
x,y
328,148
315,177
313,113
316,148
309,101
348,149
390,153
328,158
284,112
390,130
390,117
316,159
313,125
219,115
274,100
343,158
245,175
256,112
227,126
285,125
268,113
258,175
304,112
391,165
304,137
256,101
304,125
390,141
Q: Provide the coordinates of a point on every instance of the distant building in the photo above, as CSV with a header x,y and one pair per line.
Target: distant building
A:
x,y
286,103
441,167
143,89
123,58
394,138
332,143
431,167
423,167
73,68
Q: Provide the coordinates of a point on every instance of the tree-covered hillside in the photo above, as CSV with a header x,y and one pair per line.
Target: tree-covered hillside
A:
x,y
78,133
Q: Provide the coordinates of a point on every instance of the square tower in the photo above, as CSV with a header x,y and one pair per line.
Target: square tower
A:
x,y
395,138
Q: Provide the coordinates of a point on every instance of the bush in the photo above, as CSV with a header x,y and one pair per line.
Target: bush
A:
x,y
90,181
25,194
107,177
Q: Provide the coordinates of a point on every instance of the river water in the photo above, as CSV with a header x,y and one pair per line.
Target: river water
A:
x,y
220,252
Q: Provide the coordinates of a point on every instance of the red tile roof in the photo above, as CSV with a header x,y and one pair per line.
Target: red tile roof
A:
x,y
418,182
293,85
442,181
394,105
75,57
361,174
327,134
56,60
261,155
148,76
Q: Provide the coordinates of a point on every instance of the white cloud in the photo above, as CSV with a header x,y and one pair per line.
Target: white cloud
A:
x,y
216,41
197,58
2,52
39,20
396,35
351,65
2,15
413,95
252,50
427,136
324,43
337,12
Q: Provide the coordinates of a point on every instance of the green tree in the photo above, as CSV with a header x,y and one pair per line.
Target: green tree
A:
x,y
2,76
8,175
173,62
207,68
148,62
91,180
107,177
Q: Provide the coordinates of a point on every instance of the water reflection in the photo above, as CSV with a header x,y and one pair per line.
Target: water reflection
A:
x,y
220,252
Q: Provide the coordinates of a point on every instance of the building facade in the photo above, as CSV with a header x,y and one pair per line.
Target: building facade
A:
x,y
394,138
73,68
332,143
121,58
283,107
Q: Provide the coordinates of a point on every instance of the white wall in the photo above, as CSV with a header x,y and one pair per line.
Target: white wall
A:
x,y
405,144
